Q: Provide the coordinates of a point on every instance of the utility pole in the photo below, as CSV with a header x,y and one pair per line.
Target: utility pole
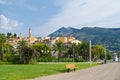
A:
x,y
90,53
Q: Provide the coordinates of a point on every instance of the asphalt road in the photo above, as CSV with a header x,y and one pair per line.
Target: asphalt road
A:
x,y
109,71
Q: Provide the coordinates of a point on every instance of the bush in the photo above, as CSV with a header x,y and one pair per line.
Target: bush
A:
x,y
16,60
79,60
66,60
2,63
47,59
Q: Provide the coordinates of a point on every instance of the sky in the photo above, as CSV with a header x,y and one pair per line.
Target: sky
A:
x,y
47,16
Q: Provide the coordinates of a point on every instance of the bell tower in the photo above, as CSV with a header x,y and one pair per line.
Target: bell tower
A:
x,y
20,36
30,33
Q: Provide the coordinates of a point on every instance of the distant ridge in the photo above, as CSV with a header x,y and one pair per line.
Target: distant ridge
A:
x,y
104,36
64,32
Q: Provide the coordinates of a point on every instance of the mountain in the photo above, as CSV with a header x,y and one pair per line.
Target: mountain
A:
x,y
64,32
110,37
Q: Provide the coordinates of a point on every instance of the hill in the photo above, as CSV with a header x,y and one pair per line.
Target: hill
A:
x,y
105,36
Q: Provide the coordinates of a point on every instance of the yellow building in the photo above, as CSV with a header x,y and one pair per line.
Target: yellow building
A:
x,y
65,39
31,39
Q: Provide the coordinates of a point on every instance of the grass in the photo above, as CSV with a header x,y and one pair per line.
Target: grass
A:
x,y
18,72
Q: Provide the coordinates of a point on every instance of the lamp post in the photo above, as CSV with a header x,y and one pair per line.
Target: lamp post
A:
x,y
73,54
105,61
48,51
42,51
90,53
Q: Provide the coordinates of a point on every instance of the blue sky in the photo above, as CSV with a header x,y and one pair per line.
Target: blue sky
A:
x,y
46,16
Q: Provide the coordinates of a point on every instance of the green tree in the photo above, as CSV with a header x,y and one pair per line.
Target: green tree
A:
x,y
22,43
3,45
43,49
28,55
59,47
14,35
97,52
9,52
84,50
74,50
109,56
9,35
18,58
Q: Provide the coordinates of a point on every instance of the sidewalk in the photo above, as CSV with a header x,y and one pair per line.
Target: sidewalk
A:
x,y
109,71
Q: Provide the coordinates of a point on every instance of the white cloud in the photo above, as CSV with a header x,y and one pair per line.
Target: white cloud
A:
x,y
2,2
8,24
81,13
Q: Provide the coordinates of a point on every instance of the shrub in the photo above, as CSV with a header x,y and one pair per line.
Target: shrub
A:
x,y
2,63
47,59
16,60
66,60
28,55
79,60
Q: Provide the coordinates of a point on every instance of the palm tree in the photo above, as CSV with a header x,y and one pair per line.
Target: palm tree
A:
x,y
74,50
27,53
59,48
84,50
3,45
22,44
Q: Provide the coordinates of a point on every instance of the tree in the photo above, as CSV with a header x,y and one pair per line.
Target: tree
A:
x,y
28,55
84,50
43,49
74,50
97,52
109,56
6,49
22,43
15,35
9,52
3,45
9,35
18,58
59,48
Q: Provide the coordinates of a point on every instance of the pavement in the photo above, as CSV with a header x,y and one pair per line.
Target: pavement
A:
x,y
110,71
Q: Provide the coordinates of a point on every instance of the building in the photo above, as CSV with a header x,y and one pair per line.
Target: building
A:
x,y
64,40
15,40
31,39
76,41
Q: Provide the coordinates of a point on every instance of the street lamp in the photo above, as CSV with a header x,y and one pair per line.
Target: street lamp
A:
x,y
42,52
73,55
90,53
105,61
48,51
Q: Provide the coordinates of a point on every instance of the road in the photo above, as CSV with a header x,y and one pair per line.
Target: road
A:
x,y
110,71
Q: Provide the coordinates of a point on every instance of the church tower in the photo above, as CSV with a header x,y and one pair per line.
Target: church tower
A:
x,y
30,33
20,36
31,39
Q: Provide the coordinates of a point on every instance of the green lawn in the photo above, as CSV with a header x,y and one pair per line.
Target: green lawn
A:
x,y
18,72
